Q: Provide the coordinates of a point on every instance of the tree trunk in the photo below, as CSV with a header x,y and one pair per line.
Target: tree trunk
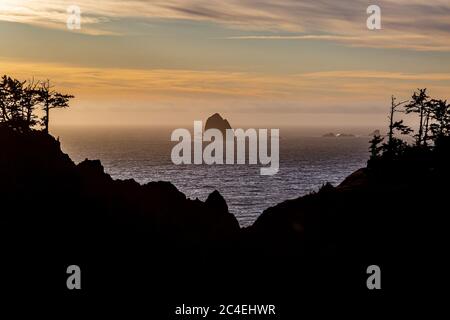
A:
x,y
47,115
425,137
391,124
419,139
29,113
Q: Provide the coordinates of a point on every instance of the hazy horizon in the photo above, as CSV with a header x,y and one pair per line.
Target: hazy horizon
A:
x,y
167,128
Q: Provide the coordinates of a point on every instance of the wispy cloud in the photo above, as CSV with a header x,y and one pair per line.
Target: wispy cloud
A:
x,y
392,40
408,24
144,96
316,88
298,37
378,75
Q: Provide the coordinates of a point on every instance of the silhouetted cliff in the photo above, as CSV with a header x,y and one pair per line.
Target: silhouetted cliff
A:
x,y
385,211
46,195
60,213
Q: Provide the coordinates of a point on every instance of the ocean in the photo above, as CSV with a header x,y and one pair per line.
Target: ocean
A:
x,y
307,161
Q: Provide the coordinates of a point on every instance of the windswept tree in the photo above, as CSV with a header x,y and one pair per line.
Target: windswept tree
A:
x,y
51,99
375,147
420,104
395,126
30,101
11,96
434,127
440,114
19,101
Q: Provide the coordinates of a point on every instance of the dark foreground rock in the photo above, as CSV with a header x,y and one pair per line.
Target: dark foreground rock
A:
x,y
46,192
131,237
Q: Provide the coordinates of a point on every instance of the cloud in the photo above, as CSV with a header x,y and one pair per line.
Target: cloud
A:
x,y
143,96
190,86
409,24
379,75
298,37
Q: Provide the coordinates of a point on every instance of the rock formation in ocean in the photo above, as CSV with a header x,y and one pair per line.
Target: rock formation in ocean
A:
x,y
217,122
329,135
338,135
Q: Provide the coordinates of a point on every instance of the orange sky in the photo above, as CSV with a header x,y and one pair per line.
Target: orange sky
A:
x,y
175,61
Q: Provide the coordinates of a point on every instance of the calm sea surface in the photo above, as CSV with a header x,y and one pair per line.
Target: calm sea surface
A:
x,y
306,162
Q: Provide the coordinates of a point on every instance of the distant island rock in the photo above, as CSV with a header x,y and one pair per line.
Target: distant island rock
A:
x,y
345,135
217,122
329,135
375,133
338,135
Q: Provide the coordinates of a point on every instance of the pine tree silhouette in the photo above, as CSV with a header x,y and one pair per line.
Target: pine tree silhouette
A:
x,y
20,100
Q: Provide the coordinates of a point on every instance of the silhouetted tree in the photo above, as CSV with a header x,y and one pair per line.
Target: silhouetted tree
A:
x,y
51,100
20,99
434,129
375,147
440,113
30,100
389,147
4,117
394,107
420,104
426,136
11,97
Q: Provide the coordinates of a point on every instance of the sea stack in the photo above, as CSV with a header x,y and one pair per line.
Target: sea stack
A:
x,y
217,122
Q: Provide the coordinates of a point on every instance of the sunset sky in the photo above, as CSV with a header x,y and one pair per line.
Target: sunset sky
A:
x,y
258,62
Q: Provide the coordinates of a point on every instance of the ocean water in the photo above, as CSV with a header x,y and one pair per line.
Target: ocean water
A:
x,y
307,161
